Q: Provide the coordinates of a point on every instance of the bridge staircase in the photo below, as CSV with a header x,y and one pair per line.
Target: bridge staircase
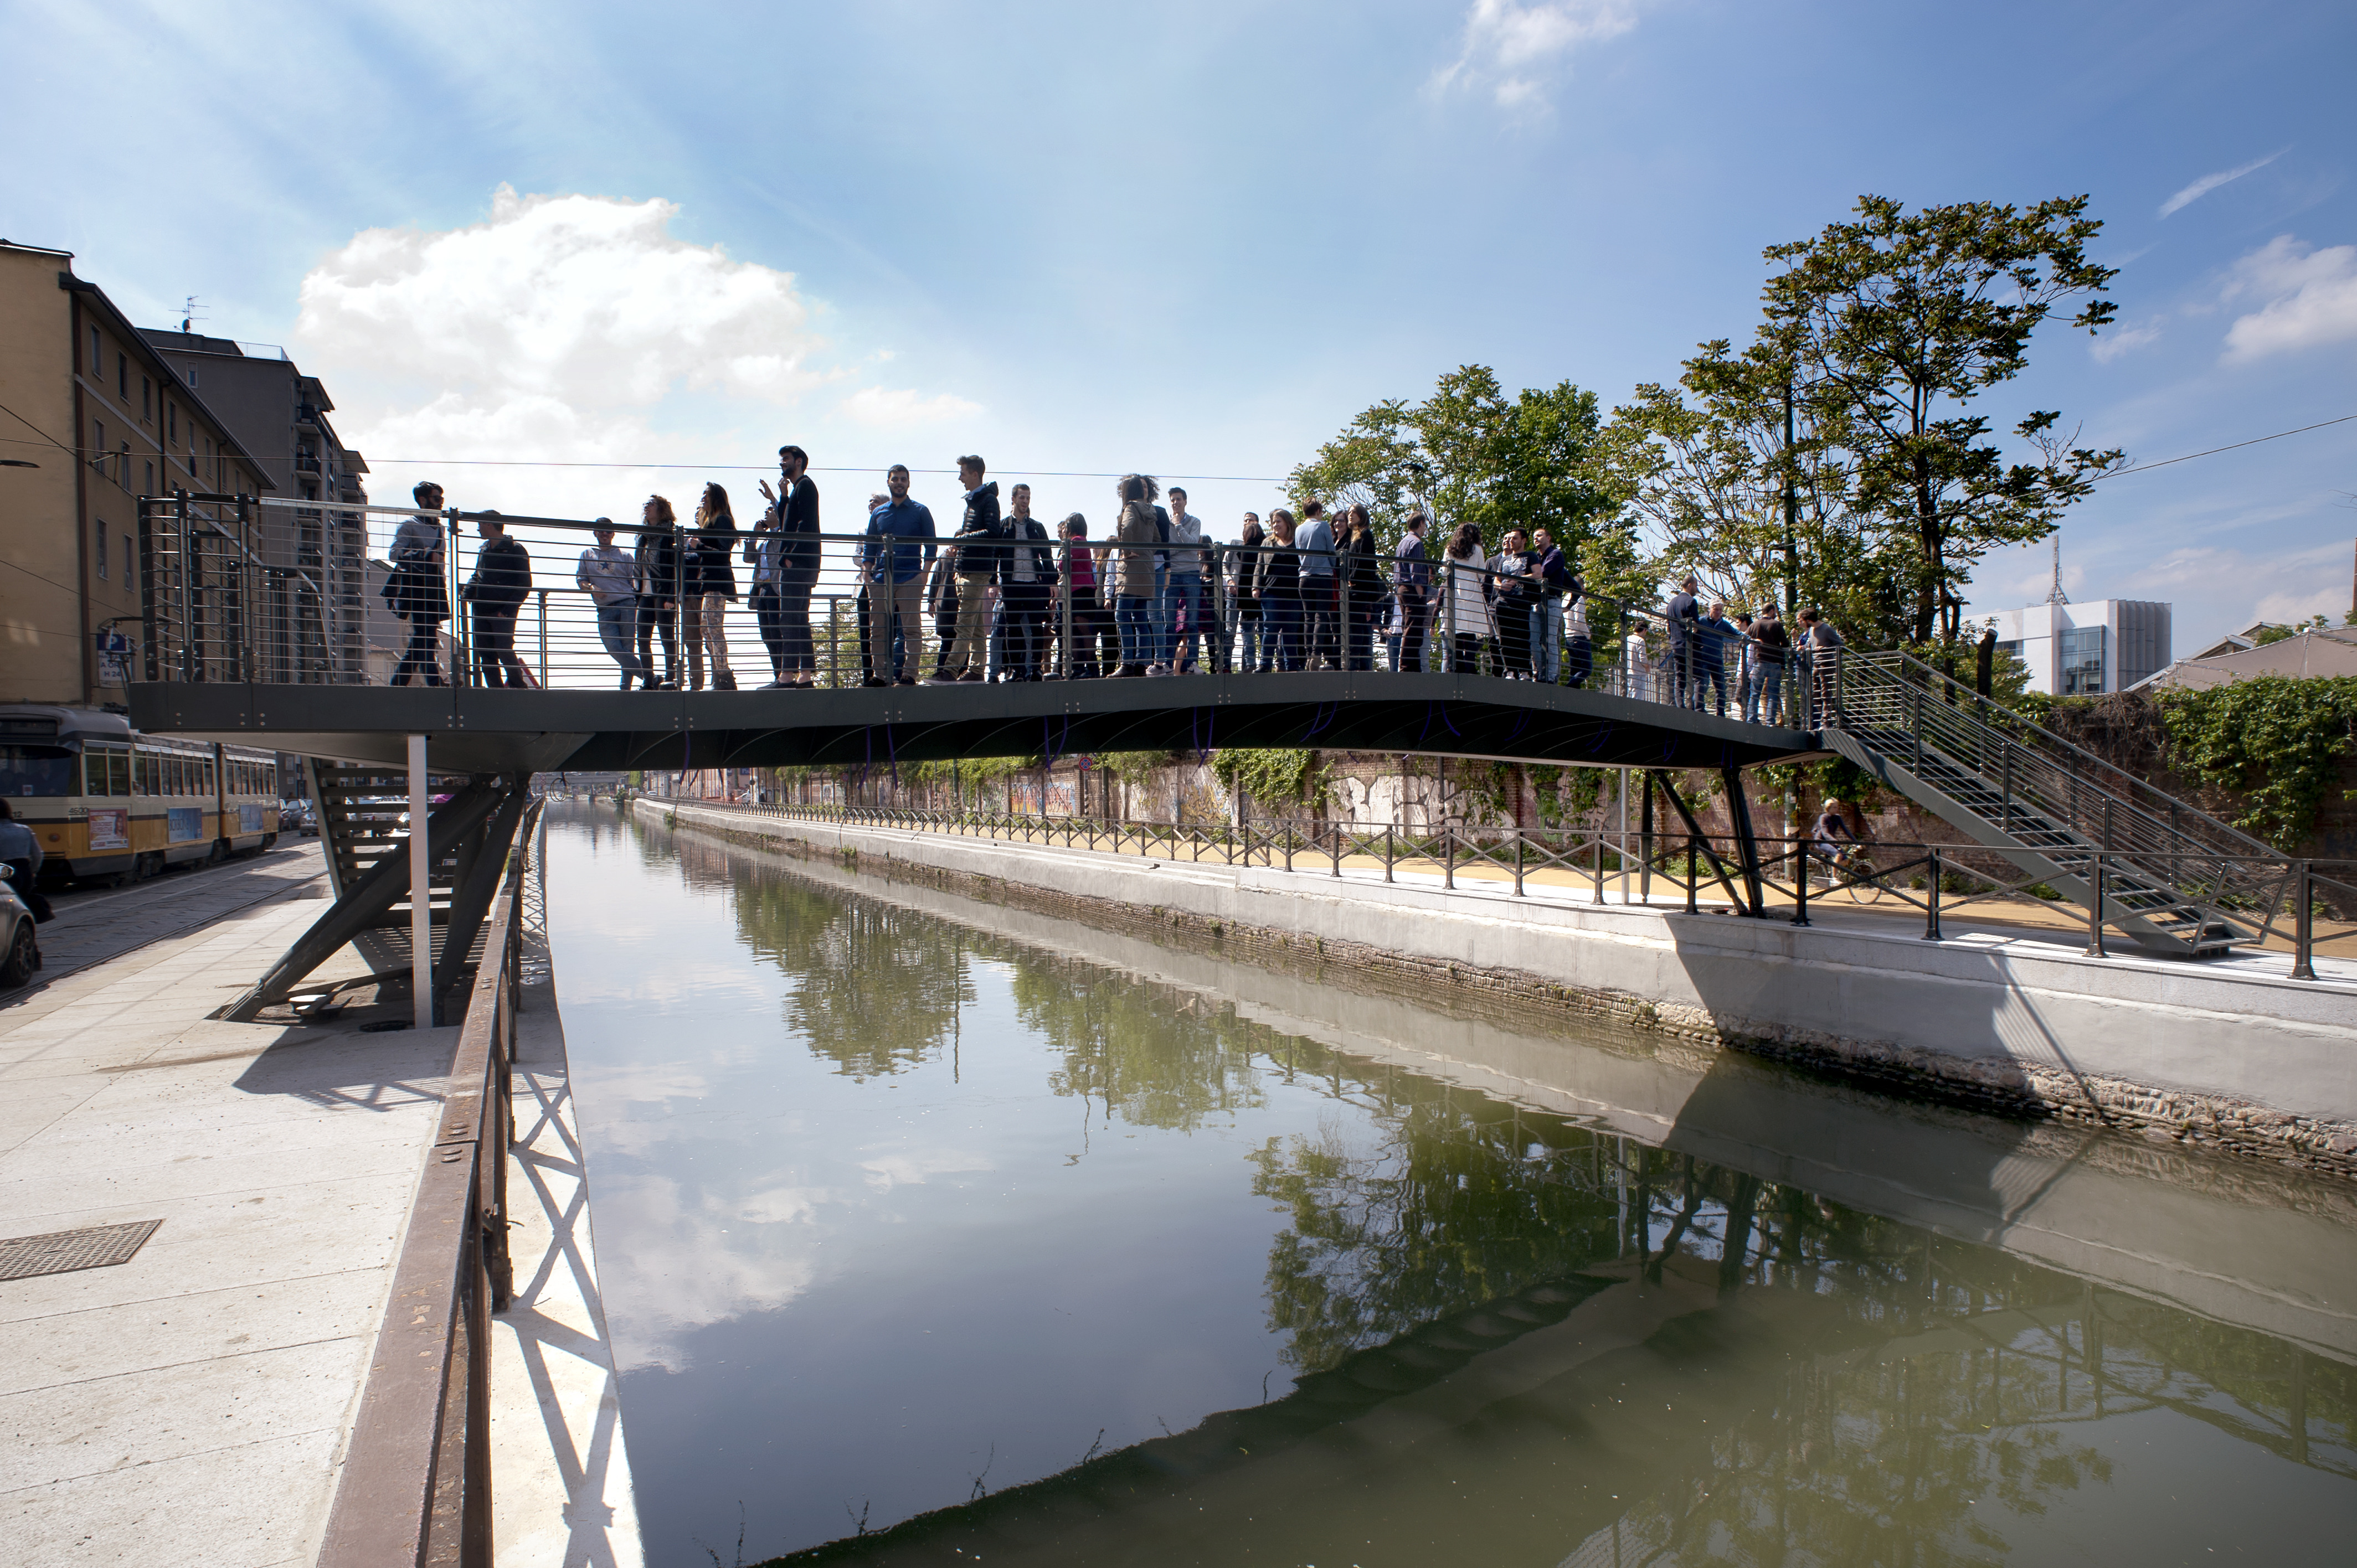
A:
x,y
2173,879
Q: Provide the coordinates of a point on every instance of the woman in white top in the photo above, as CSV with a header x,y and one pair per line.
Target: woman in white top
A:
x,y
1466,617
1636,664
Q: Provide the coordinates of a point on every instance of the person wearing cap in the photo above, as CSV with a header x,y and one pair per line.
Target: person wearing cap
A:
x,y
610,577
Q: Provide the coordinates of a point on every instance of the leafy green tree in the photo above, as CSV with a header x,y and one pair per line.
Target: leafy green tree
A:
x,y
1893,324
1469,453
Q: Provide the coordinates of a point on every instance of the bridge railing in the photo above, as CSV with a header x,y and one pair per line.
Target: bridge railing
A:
x,y
1775,876
236,589
416,1485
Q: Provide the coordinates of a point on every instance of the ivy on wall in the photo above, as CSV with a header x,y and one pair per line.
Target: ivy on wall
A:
x,y
2276,739
1273,778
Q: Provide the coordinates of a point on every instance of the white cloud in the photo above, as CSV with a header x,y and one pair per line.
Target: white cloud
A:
x,y
2209,182
2310,298
898,408
2106,349
1506,43
585,298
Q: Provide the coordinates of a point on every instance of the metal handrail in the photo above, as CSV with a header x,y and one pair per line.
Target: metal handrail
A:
x,y
2039,776
1448,849
416,1487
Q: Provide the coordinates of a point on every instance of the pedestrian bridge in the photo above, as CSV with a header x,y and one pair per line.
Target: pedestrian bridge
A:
x,y
495,730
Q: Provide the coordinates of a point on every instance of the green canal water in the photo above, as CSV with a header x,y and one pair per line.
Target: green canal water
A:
x,y
931,1231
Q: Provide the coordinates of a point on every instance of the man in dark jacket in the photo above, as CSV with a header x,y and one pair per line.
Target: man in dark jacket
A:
x,y
1682,613
795,517
494,593
979,557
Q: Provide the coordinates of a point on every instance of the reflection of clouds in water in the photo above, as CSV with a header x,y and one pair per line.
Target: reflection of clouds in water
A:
x,y
686,1268
912,1169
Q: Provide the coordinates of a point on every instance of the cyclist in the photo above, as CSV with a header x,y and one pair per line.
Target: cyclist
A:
x,y
1835,843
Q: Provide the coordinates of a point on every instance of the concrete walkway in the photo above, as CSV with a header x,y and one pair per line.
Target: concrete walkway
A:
x,y
191,1405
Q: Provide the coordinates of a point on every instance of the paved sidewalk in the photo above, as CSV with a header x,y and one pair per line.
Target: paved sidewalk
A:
x,y
191,1405
94,926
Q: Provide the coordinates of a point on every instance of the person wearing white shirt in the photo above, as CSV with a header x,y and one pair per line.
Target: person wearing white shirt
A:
x,y
1466,620
609,576
1183,588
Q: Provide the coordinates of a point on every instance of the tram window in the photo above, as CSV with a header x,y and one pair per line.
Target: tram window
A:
x,y
108,770
36,771
211,778
147,772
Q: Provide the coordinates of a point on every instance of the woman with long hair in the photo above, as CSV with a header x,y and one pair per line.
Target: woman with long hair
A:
x,y
716,589
1466,617
661,581
1135,537
1362,587
1280,597
1244,598
1518,595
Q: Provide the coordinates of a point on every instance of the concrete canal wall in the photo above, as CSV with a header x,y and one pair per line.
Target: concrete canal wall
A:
x,y
2232,1054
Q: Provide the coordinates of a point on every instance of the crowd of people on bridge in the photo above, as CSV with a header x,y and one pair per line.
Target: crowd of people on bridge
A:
x,y
1009,598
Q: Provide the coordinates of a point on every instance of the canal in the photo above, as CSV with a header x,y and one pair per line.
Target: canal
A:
x,y
933,1231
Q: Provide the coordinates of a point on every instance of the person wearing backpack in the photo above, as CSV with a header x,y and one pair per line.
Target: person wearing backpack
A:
x,y
414,589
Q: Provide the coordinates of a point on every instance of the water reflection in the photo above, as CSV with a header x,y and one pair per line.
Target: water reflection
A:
x,y
1269,1300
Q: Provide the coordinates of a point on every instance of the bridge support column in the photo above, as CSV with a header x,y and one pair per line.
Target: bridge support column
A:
x,y
1747,840
364,903
421,895
1694,836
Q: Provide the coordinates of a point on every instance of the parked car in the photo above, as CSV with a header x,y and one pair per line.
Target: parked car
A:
x,y
299,817
20,950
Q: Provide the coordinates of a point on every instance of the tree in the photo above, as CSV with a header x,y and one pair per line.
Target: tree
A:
x,y
1469,453
1893,324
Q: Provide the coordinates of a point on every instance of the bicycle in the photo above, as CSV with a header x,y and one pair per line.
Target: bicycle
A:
x,y
1865,880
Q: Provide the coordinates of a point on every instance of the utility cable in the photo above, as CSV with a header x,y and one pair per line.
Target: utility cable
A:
x,y
2230,446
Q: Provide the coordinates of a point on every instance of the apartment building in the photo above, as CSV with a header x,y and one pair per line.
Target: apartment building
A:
x,y
281,415
92,418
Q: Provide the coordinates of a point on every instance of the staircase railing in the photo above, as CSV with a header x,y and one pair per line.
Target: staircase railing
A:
x,y
1912,712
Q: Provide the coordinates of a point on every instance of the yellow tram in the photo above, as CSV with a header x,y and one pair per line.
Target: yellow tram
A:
x,y
108,802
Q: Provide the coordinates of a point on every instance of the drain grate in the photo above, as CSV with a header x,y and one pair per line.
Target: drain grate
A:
x,y
63,1252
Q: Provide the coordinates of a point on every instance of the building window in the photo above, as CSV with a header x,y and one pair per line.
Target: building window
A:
x,y
171,422
102,552
98,445
123,377
192,375
151,482
126,560
123,468
2013,648
2082,662
146,399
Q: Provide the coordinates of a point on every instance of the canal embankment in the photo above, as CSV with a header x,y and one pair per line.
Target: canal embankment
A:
x,y
203,1389
2231,1055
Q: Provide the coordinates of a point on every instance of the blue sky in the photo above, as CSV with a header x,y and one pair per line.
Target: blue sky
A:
x,y
1194,240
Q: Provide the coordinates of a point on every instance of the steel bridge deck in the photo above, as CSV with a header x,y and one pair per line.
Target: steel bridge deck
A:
x,y
479,730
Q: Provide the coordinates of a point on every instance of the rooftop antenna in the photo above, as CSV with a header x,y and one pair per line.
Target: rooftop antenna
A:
x,y
2055,595
189,314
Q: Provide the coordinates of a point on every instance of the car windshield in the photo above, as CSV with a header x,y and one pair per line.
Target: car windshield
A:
x,y
36,771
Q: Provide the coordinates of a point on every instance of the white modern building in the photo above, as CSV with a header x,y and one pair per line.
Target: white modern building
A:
x,y
2082,651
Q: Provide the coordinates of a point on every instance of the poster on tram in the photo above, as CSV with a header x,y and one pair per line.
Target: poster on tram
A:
x,y
110,828
249,817
186,823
